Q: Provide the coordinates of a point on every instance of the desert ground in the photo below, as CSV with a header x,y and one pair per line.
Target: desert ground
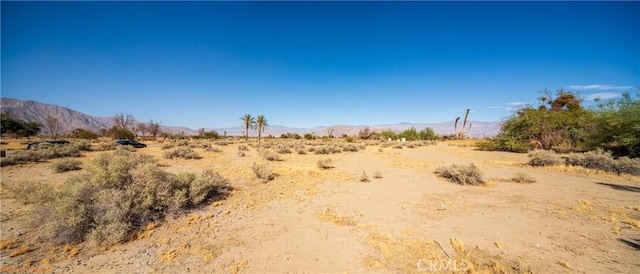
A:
x,y
310,220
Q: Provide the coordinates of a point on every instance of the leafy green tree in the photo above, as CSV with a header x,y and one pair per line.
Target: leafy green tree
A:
x,y
18,127
428,134
411,134
617,126
83,134
249,122
387,133
117,132
557,121
261,124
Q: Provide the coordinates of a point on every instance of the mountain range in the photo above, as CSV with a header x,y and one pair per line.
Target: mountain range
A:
x,y
32,111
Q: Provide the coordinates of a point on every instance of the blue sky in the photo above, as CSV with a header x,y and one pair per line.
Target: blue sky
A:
x,y
305,64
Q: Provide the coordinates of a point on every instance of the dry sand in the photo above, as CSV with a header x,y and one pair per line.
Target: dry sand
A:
x,y
409,221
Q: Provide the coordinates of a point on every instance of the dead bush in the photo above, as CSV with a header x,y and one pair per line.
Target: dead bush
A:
x,y
461,174
364,177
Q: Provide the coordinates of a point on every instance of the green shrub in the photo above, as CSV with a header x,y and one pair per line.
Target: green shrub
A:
x,y
181,152
544,158
461,174
116,195
67,164
503,143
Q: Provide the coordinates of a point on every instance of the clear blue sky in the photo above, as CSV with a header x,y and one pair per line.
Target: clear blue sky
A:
x,y
304,64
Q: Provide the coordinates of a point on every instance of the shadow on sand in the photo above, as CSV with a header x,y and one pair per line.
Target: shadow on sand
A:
x,y
621,187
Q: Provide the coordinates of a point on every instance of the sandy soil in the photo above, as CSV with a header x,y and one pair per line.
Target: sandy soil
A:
x,y
409,221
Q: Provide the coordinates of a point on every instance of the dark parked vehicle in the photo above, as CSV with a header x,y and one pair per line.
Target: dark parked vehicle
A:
x,y
132,143
49,142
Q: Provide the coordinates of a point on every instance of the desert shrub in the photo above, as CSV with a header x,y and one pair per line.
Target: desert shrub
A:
x,y
322,150
335,149
301,150
263,171
628,165
270,155
182,143
201,144
214,149
504,143
243,148
377,175
411,146
241,153
364,177
168,146
283,149
84,145
117,194
350,147
67,164
29,192
544,158
325,163
521,177
461,174
104,146
603,160
312,149
40,153
397,146
181,152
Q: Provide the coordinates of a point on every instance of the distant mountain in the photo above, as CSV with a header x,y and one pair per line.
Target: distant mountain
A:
x,y
33,111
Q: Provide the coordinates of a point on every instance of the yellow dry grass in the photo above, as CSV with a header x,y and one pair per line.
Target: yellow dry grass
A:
x,y
330,215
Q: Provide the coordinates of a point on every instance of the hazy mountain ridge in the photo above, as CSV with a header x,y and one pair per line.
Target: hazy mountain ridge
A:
x,y
33,111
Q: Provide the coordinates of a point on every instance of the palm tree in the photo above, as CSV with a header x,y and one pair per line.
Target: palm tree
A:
x,y
249,122
261,123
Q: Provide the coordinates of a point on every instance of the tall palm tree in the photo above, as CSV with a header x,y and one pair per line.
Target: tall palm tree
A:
x,y
249,122
261,123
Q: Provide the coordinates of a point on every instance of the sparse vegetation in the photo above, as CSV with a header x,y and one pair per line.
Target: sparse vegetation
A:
x,y
41,153
461,174
181,152
523,178
263,171
67,164
377,175
270,155
119,193
325,163
544,158
364,177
